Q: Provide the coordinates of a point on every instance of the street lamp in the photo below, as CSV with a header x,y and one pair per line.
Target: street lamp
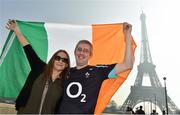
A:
x,y
164,78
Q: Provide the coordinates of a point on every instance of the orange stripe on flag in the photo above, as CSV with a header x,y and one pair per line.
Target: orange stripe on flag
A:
x,y
107,43
109,47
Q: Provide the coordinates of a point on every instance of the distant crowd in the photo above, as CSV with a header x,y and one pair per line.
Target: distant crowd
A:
x,y
140,110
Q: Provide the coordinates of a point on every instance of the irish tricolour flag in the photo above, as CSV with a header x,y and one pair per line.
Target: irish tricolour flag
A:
x,y
46,38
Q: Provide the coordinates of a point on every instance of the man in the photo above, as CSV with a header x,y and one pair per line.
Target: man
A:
x,y
140,111
82,88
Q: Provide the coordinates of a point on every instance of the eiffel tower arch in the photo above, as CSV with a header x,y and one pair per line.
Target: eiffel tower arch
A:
x,y
155,93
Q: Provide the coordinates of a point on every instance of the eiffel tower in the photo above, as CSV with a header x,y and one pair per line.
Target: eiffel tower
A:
x,y
154,93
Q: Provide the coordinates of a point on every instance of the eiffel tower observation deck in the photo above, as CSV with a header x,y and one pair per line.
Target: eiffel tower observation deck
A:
x,y
155,93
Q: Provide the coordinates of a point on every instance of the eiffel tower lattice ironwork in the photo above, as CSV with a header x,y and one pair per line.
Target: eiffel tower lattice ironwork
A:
x,y
154,93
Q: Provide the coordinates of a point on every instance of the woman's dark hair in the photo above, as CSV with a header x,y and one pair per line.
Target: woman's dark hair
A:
x,y
49,67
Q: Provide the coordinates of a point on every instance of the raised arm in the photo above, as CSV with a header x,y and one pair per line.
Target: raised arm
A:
x,y
129,57
34,60
11,25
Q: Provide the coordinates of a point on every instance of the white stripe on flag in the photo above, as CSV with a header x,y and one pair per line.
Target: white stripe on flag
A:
x,y
66,36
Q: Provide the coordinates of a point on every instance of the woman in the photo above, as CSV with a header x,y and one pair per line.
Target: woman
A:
x,y
43,87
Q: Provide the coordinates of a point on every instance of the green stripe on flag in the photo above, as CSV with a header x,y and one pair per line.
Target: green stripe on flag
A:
x,y
5,45
14,67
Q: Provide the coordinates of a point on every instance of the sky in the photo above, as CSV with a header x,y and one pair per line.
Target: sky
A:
x,y
162,22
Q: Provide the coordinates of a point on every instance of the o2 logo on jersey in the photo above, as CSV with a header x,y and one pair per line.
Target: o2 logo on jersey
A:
x,y
79,93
